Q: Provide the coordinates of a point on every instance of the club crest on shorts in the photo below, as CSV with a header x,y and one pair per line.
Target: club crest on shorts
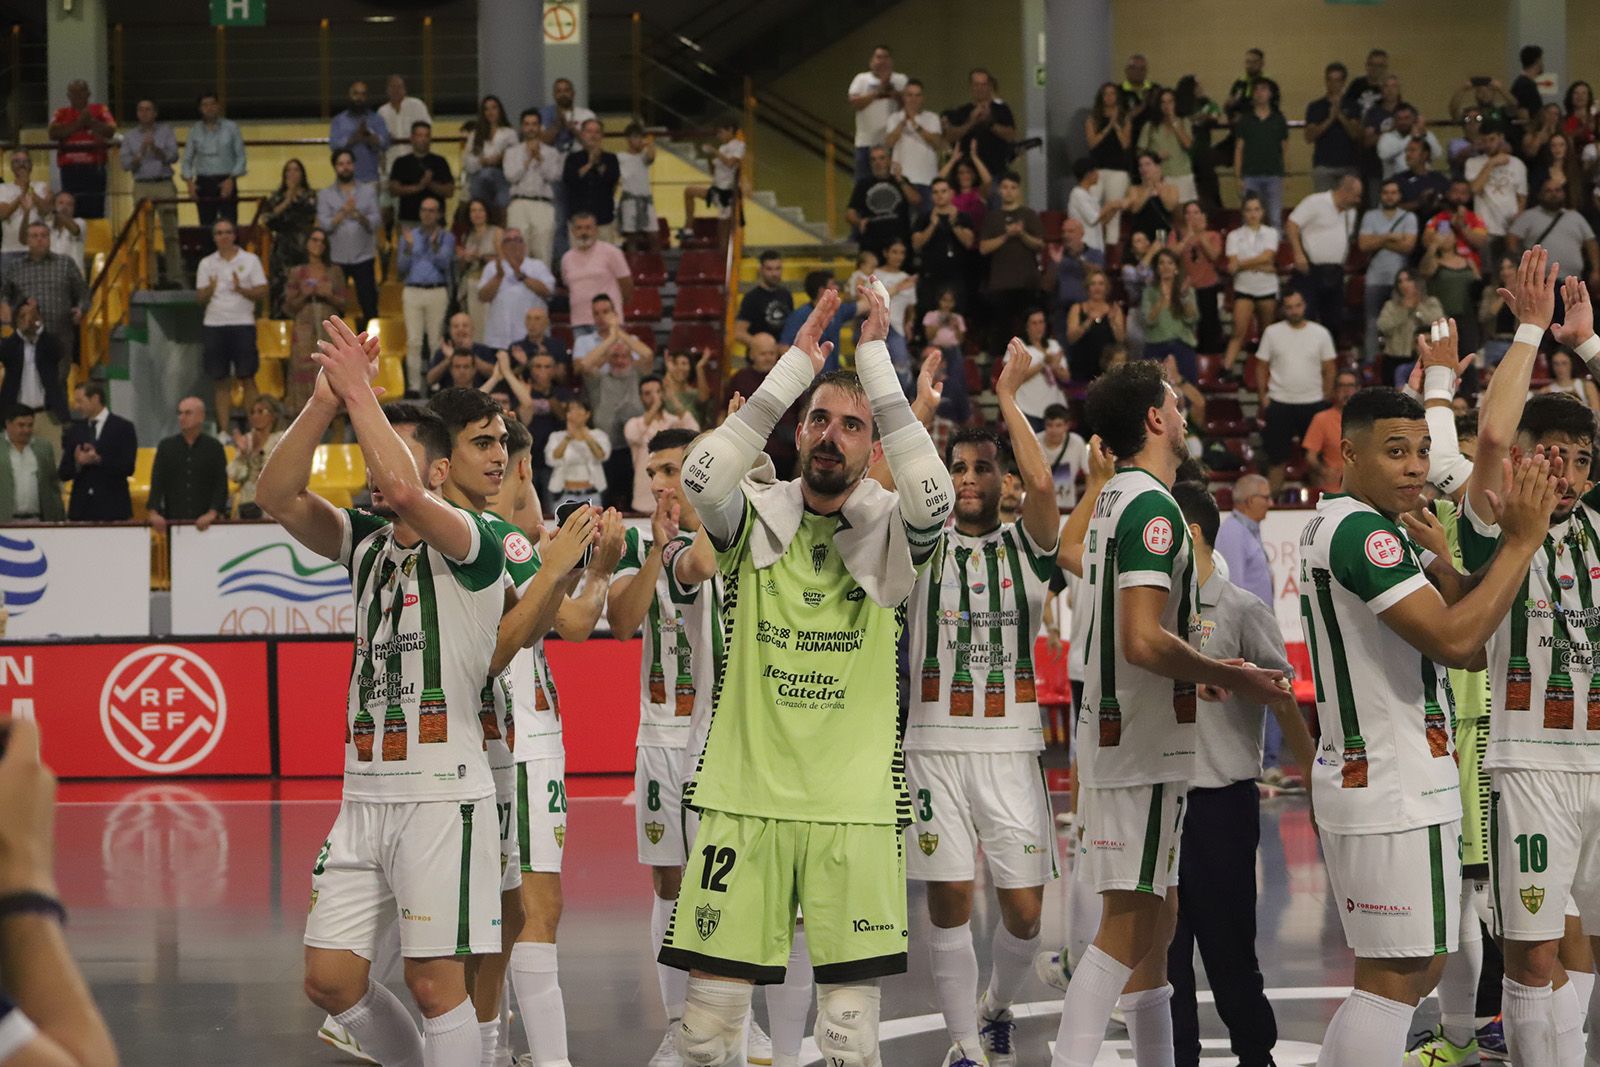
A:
x,y
654,830
1532,898
929,843
561,835
706,919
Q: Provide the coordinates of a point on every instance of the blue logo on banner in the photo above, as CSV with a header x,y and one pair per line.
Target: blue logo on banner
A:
x,y
276,570
24,573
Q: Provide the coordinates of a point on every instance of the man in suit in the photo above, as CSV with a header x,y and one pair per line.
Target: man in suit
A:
x,y
30,490
30,372
97,456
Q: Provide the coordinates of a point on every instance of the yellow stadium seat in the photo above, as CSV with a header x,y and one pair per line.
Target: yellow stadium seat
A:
x,y
338,473
139,483
391,296
391,376
270,377
391,335
273,338
97,237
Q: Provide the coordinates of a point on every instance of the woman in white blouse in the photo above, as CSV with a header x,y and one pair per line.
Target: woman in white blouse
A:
x,y
1046,374
488,137
576,457
1252,252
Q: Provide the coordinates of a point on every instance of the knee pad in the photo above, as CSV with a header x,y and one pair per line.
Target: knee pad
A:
x,y
711,1032
847,1025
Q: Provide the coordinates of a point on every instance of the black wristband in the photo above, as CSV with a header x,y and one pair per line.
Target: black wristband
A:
x,y
32,903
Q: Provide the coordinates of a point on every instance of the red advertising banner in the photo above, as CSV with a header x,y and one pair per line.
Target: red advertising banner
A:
x,y
140,710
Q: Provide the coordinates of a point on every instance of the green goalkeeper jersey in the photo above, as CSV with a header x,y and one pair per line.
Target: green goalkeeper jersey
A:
x,y
805,723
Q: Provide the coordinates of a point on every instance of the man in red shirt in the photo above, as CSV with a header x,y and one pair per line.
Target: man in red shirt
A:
x,y
82,131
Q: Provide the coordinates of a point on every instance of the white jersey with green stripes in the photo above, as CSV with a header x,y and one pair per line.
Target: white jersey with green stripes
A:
x,y
1136,727
1385,759
527,682
667,688
974,615
1541,658
425,632
699,608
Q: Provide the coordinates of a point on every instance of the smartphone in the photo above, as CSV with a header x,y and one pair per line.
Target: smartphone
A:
x,y
566,511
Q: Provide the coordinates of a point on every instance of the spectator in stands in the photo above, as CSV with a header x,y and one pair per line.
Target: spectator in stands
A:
x,y
1578,114
1559,162
82,131
1169,313
66,232
1138,91
1376,120
416,174
1333,129
1261,150
592,267
1068,264
1066,452
213,162
31,371
489,136
1252,253
1324,458
97,457
228,284
944,244
251,447
189,479
874,95
590,176
315,291
1152,204
1388,237
902,287
1138,271
348,212
816,282
1294,380
765,306
1392,143
971,183
30,484
459,370
726,157
1368,86
1564,233
1109,130
1422,189
1499,183
562,120
1093,322
762,355
915,139
1563,381
364,132
881,205
476,246
544,411
1453,243
944,327
1497,320
638,223
1168,136
54,282
1199,248
577,457
398,112
1011,240
459,341
1319,231
290,212
537,338
426,255
612,362
638,430
685,387
984,127
1047,370
22,203
148,152
1525,86
1483,101
1084,205
533,169
511,284
1243,87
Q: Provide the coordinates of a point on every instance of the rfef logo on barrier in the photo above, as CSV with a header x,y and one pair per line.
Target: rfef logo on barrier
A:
x,y
163,708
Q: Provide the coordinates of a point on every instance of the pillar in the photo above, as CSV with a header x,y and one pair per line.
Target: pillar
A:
x,y
507,67
1078,51
1544,23
76,48
1031,117
566,46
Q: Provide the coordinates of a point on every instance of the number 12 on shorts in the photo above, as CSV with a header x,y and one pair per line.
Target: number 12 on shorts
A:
x,y
719,862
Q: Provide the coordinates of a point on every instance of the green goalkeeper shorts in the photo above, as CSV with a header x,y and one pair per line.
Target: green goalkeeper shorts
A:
x,y
746,877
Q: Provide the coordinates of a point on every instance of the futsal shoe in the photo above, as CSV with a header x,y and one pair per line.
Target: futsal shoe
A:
x,y
996,1029
758,1049
1433,1049
1492,1040
959,1057
343,1040
1053,969
666,1054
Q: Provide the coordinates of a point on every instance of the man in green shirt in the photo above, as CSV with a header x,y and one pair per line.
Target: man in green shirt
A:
x,y
1261,149
801,784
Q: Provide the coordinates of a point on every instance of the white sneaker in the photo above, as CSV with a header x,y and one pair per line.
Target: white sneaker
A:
x,y
958,1056
996,1030
666,1054
343,1040
1052,969
758,1050
1118,1018
526,1060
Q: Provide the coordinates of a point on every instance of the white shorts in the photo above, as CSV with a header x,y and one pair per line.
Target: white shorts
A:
x,y
661,823
1128,836
505,806
542,813
435,862
1399,894
1544,847
965,799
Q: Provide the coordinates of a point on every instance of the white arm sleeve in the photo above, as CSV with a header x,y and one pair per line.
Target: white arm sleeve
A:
x,y
922,482
1448,469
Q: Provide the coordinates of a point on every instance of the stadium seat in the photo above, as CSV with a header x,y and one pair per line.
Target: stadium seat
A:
x,y
270,378
699,267
337,473
648,268
391,375
698,302
139,482
702,234
391,299
1210,379
563,334
644,305
1223,494
1241,449
1050,221
700,337
1225,418
391,333
645,333
274,337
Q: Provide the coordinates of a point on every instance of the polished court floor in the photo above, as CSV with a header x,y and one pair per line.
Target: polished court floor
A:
x,y
187,902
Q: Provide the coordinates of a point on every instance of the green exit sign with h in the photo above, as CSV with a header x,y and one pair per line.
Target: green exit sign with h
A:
x,y
238,12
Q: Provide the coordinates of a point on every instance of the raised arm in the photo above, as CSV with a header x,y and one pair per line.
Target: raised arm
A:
x,y
578,615
630,596
1069,553
536,609
1039,512
283,492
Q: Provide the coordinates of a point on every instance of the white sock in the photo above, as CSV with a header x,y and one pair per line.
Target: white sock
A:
x,y
1149,1016
1529,1021
1458,992
1366,1030
1568,1013
673,982
489,1034
451,1039
504,1042
1083,917
1013,959
955,981
383,1027
789,1004
1583,983
387,968
544,1013
1097,982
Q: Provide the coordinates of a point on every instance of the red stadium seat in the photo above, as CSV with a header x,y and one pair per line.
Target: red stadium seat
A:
x,y
645,333
563,334
1051,221
1240,448
648,268
703,234
700,267
701,337
644,306
1225,418
1223,494
1211,379
698,302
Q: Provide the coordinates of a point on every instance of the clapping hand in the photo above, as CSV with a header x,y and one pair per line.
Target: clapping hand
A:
x,y
809,339
1532,487
1577,326
870,294
1015,371
562,551
664,521
1426,530
347,358
1534,302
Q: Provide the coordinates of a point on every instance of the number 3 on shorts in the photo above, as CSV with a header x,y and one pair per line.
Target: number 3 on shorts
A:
x,y
924,805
